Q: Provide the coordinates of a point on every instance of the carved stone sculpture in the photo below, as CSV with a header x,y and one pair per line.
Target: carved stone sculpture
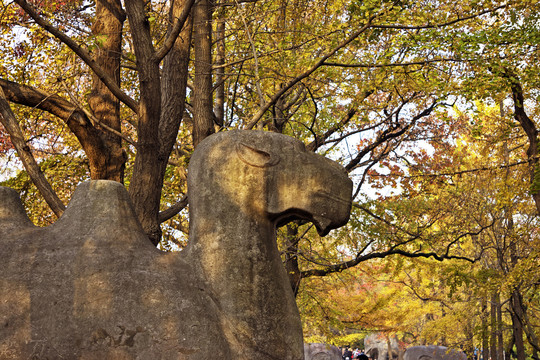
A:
x,y
432,352
376,346
91,285
317,351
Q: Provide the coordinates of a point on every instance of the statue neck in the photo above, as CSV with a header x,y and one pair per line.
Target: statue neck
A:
x,y
236,252
226,237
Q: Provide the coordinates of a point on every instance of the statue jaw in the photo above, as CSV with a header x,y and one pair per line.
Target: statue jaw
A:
x,y
335,208
318,191
323,225
325,211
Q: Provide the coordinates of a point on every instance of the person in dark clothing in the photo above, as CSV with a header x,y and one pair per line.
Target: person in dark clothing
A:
x,y
347,354
362,356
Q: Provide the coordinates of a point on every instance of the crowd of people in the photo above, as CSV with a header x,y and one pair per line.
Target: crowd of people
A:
x,y
348,354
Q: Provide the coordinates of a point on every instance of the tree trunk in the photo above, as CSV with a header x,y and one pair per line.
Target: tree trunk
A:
x,y
146,183
469,342
532,134
219,107
517,310
499,330
517,325
291,258
494,326
485,332
173,86
203,122
109,161
530,332
389,355
509,349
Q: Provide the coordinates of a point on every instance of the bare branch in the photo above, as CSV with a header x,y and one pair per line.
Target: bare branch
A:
x,y
389,134
454,173
329,269
321,139
173,210
396,250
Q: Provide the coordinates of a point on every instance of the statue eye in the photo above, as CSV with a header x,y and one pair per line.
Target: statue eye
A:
x,y
255,157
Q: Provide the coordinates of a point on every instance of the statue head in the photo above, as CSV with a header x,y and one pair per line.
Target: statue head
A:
x,y
272,175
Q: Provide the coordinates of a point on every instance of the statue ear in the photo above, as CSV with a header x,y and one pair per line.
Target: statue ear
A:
x,y
255,157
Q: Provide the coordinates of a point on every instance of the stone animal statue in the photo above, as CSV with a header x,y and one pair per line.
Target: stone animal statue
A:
x,y
432,352
92,286
316,351
376,346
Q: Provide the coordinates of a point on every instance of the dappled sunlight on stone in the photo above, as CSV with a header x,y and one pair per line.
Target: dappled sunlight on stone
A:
x,y
93,296
154,300
257,179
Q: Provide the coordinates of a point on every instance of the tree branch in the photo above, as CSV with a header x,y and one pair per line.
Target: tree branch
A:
x,y
395,250
320,139
173,210
389,134
255,58
32,97
96,121
23,150
380,255
255,119
82,53
436,26
371,66
530,129
173,35
454,173
329,269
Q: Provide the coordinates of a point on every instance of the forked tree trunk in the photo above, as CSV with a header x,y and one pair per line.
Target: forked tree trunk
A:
x,y
146,183
173,86
162,104
107,161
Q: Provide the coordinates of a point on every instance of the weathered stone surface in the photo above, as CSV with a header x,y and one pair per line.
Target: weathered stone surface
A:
x,y
318,351
432,352
91,286
376,346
